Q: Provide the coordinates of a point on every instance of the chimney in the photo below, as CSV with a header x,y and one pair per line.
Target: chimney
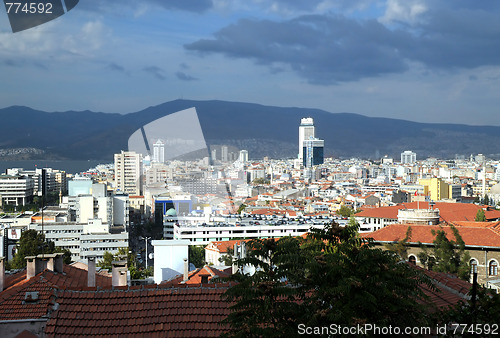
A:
x,y
186,270
91,271
59,262
53,262
50,261
2,274
30,266
119,272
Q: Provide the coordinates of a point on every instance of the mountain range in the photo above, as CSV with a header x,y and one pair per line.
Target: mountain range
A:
x,y
262,130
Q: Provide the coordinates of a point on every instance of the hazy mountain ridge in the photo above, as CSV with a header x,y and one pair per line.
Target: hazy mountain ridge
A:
x,y
262,130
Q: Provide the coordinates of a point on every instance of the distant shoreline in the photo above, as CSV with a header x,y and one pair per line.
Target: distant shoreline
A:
x,y
69,166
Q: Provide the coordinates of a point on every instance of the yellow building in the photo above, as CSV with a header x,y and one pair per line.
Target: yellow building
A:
x,y
436,188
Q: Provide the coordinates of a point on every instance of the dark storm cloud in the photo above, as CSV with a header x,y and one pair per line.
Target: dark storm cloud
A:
x,y
185,77
322,49
327,49
462,38
157,72
197,6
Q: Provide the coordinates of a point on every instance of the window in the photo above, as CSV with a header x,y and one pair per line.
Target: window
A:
x,y
493,268
473,266
412,260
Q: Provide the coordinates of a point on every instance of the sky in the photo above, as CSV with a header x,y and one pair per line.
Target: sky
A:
x,y
419,60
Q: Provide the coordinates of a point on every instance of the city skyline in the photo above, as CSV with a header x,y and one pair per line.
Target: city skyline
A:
x,y
420,60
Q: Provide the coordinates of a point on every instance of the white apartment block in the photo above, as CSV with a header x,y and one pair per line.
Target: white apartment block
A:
x,y
408,157
128,173
202,235
112,210
83,240
158,173
16,190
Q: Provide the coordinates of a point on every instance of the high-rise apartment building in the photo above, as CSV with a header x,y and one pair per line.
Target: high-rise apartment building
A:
x,y
306,131
408,157
243,156
159,151
224,153
128,173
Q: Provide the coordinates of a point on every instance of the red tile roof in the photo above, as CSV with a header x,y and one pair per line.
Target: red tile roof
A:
x,y
195,276
472,236
223,246
449,289
13,306
140,311
449,212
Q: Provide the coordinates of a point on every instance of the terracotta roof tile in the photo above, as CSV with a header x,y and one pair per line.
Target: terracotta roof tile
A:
x,y
13,306
472,236
179,312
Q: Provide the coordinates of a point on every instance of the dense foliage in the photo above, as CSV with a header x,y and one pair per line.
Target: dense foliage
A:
x,y
196,255
480,216
331,277
136,272
447,255
31,243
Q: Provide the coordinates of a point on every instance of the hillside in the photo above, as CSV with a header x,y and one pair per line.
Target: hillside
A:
x,y
263,130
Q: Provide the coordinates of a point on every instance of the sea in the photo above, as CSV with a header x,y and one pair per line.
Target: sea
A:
x,y
70,167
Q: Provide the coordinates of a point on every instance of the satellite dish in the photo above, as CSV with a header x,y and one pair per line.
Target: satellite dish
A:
x,y
249,270
151,255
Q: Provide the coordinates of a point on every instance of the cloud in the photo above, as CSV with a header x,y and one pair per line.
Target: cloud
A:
x,y
322,49
115,67
117,6
329,49
292,7
408,11
157,72
184,77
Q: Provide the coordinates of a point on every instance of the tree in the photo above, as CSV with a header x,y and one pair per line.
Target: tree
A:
x,y
260,180
135,271
227,259
401,247
479,313
241,208
107,260
196,254
447,256
31,243
345,211
66,255
480,216
264,305
486,200
331,277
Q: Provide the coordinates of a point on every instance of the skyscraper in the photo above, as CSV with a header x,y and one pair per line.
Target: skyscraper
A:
x,y
306,130
159,151
312,152
128,171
